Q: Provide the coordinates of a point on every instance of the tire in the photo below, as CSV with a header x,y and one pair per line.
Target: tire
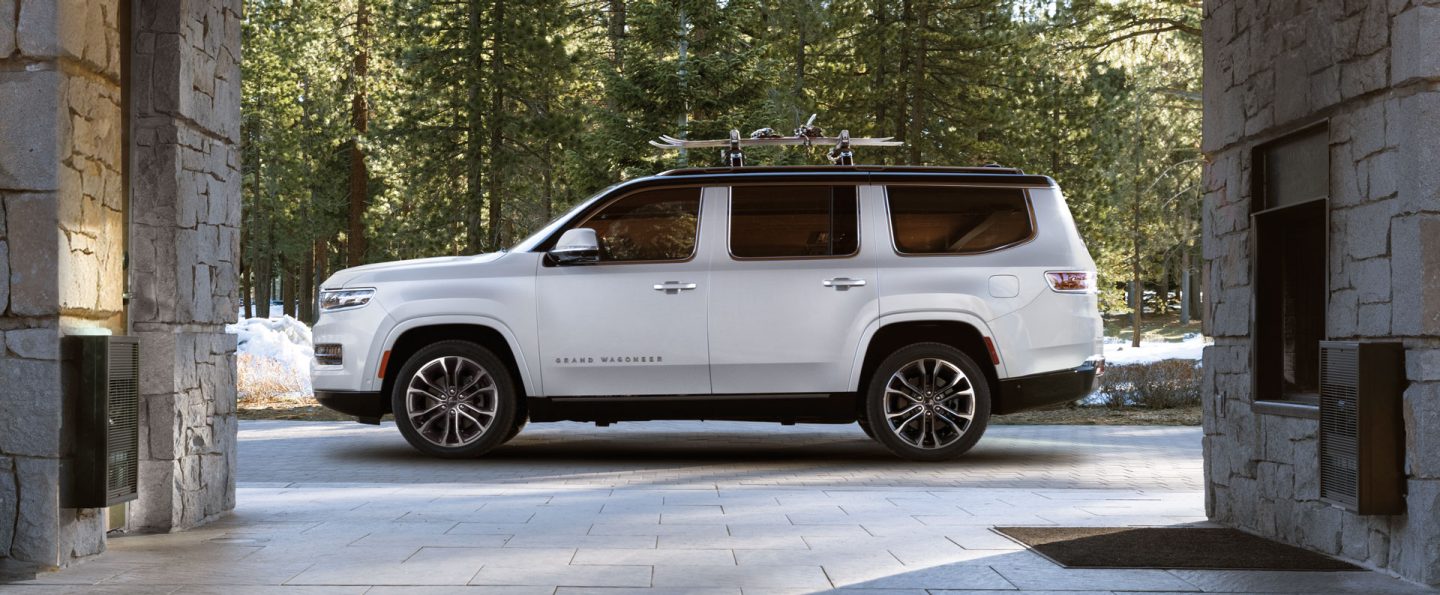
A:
x,y
515,429
482,388
907,381
864,423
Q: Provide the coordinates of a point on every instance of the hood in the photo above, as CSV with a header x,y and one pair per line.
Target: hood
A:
x,y
368,274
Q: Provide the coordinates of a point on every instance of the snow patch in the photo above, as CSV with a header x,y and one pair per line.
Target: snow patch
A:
x,y
284,340
1118,352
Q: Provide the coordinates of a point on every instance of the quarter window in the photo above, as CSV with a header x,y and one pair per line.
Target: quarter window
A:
x,y
793,221
648,226
956,220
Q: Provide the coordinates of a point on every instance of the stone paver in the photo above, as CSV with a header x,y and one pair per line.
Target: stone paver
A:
x,y
674,507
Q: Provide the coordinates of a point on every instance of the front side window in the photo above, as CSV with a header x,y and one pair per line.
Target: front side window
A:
x,y
793,221
651,225
957,220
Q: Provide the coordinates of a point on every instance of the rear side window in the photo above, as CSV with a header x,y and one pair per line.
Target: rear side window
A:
x,y
647,226
956,220
793,221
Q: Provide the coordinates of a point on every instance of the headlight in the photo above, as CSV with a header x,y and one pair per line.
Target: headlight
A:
x,y
344,299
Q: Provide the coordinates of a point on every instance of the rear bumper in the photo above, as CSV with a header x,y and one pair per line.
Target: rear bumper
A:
x,y
367,407
1038,391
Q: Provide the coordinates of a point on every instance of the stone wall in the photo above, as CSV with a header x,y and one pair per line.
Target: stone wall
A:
x,y
1370,69
61,251
186,203
63,235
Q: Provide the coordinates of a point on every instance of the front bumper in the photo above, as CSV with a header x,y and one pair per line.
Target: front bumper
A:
x,y
367,407
1038,391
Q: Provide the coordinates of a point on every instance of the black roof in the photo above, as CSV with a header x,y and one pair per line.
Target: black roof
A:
x,y
925,169
989,175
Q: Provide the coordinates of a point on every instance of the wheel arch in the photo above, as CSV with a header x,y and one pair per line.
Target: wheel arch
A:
x,y
412,336
966,335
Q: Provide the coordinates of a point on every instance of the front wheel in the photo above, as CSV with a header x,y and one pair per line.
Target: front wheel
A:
x,y
454,399
928,402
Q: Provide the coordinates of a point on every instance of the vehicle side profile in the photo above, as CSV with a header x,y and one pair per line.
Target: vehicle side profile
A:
x,y
916,301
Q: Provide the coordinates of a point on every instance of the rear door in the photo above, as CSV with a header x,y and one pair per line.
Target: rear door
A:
x,y
792,288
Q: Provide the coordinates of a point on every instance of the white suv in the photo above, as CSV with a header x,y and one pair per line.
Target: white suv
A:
x,y
915,301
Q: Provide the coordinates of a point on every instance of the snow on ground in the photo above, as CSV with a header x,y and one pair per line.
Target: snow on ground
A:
x,y
282,339
1118,352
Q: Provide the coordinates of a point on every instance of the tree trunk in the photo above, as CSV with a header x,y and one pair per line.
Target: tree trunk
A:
x,y
359,121
1185,287
1164,294
494,190
247,301
475,126
616,33
1197,294
287,288
306,288
918,82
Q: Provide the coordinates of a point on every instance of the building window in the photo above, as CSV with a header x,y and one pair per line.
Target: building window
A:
x,y
1290,222
793,221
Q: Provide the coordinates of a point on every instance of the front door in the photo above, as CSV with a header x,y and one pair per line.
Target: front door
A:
x,y
792,292
634,323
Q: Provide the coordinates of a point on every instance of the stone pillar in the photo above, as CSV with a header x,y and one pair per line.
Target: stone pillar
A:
x,y
61,251
185,196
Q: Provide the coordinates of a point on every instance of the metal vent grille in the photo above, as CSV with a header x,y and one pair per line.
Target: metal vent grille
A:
x,y
1340,425
122,396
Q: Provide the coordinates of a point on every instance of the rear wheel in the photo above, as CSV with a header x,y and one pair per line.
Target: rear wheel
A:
x,y
454,399
928,402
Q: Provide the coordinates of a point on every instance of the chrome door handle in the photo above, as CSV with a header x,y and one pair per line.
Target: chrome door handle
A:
x,y
674,286
843,282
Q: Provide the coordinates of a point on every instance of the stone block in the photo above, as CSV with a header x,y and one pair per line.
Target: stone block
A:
x,y
155,510
1368,229
1374,320
1342,317
1346,180
1320,528
1231,316
37,521
37,31
1415,272
4,275
1382,175
1412,43
1417,121
1364,75
34,254
29,156
1422,365
7,46
1379,548
1422,440
8,497
30,412
34,343
1354,537
1414,551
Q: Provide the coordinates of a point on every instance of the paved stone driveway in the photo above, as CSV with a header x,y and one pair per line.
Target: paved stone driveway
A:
x,y
676,507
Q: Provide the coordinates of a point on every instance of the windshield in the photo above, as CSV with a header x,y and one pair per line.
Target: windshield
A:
x,y
536,238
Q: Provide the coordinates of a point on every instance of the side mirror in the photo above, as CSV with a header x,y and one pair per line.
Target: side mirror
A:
x,y
577,246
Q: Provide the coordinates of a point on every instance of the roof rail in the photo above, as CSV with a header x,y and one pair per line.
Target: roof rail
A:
x,y
991,169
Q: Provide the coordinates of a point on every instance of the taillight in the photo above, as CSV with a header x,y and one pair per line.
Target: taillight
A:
x,y
1071,281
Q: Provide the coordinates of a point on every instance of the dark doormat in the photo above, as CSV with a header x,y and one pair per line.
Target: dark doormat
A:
x,y
1206,548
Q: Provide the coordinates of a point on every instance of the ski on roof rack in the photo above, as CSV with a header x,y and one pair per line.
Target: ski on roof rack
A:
x,y
841,153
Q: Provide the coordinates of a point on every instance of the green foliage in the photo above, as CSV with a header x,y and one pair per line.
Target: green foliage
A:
x,y
489,117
